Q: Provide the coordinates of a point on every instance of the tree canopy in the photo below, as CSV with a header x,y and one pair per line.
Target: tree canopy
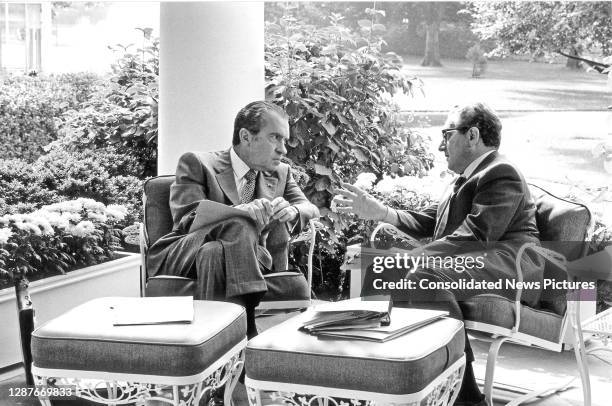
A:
x,y
541,28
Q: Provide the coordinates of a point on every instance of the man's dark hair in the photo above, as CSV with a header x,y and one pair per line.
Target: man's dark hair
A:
x,y
484,118
252,118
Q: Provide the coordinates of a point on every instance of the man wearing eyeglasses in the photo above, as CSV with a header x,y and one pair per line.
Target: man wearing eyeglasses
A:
x,y
487,212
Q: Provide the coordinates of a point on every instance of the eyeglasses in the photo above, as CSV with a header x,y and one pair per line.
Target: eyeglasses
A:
x,y
447,132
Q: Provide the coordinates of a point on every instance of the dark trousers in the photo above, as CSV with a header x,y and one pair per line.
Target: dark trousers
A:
x,y
497,265
224,258
227,263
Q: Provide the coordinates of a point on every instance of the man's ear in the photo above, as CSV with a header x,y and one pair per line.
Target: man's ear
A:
x,y
244,135
473,135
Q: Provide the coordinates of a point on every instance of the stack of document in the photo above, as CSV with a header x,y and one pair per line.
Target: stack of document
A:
x,y
367,320
349,314
152,310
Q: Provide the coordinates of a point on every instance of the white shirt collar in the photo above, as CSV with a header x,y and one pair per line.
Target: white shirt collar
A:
x,y
238,165
474,164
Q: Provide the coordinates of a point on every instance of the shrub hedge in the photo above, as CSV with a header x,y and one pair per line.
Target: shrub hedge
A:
x,y
30,107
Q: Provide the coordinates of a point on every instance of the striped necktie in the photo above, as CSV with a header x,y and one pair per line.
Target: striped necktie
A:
x,y
248,190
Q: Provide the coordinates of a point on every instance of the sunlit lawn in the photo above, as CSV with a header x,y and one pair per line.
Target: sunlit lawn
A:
x,y
508,85
552,117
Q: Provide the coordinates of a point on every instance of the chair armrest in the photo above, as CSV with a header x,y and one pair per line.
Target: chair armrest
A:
x,y
310,237
143,259
390,230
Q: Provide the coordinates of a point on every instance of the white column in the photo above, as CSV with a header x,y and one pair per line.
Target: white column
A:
x,y
45,34
211,65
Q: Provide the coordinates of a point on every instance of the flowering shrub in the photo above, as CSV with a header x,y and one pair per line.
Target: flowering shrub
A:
x,y
58,236
101,175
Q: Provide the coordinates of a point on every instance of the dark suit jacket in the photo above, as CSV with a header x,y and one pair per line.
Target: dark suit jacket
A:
x,y
208,176
494,204
493,211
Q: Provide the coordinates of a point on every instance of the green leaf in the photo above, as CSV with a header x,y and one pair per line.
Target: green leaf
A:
x,y
322,183
359,154
322,170
329,127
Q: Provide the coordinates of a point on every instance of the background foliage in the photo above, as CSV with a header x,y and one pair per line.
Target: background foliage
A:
x,y
29,107
123,116
336,85
541,27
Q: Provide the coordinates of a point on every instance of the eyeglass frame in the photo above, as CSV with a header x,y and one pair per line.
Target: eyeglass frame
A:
x,y
445,131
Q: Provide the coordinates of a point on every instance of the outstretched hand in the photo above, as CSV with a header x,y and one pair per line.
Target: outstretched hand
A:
x,y
351,199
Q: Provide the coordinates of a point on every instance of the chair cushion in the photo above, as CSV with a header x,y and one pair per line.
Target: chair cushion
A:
x,y
286,286
281,286
169,285
401,366
563,227
561,220
499,311
84,338
157,215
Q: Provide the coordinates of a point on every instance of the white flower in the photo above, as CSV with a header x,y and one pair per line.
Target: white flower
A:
x,y
39,219
90,204
27,226
385,186
70,206
365,180
116,211
5,234
83,229
71,217
57,220
101,217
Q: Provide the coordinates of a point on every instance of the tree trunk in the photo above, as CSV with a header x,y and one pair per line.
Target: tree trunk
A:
x,y
573,63
25,313
433,17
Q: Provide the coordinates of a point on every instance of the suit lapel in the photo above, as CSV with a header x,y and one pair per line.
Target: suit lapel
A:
x,y
266,186
225,177
445,206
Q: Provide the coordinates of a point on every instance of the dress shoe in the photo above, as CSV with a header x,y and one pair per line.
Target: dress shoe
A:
x,y
479,402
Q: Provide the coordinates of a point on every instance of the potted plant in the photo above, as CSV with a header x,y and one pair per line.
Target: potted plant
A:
x,y
52,240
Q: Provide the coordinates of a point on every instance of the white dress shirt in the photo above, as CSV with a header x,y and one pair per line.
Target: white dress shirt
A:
x,y
474,164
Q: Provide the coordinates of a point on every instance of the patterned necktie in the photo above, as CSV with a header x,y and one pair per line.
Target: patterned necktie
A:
x,y
248,190
442,221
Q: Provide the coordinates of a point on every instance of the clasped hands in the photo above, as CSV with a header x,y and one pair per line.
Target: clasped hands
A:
x,y
351,199
264,211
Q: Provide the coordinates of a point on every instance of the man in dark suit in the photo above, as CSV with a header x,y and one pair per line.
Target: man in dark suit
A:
x,y
486,213
233,211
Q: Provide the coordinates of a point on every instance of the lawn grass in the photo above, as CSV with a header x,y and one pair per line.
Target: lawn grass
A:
x,y
552,118
507,86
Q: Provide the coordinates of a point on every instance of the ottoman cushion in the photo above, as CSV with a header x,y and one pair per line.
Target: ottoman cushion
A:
x,y
400,366
84,338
